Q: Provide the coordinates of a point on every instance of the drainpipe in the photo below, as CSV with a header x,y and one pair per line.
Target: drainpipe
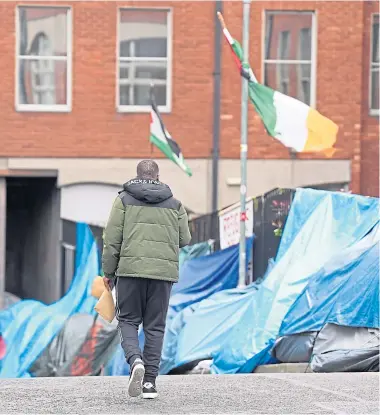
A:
x,y
216,104
3,221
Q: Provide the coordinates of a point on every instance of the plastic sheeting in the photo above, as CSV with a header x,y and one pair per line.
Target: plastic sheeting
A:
x,y
197,332
29,326
345,291
64,347
338,305
81,348
297,348
9,299
346,349
201,277
195,251
319,226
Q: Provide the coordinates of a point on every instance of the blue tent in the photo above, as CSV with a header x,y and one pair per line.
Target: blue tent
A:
x,y
345,291
237,328
320,225
199,279
29,326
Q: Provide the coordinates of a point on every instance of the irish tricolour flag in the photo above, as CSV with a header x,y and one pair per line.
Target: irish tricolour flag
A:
x,y
292,122
160,137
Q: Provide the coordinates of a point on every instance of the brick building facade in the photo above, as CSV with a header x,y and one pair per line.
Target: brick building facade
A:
x,y
74,115
87,129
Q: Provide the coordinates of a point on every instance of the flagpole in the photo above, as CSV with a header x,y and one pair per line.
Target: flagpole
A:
x,y
244,147
151,96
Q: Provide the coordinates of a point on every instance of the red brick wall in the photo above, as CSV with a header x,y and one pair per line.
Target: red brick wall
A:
x,y
94,128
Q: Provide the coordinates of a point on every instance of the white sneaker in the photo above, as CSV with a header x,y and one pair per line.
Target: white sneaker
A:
x,y
136,378
149,391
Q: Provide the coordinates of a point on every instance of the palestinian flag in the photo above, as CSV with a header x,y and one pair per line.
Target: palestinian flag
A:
x,y
293,123
160,137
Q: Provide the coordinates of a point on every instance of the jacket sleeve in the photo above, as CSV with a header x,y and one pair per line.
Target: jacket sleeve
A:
x,y
113,238
184,231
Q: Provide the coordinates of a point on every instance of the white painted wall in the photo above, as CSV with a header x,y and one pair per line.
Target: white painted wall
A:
x,y
194,192
88,202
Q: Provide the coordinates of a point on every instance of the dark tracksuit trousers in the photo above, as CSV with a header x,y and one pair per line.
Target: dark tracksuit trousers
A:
x,y
146,301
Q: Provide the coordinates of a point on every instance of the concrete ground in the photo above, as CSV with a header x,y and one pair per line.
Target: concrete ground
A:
x,y
197,394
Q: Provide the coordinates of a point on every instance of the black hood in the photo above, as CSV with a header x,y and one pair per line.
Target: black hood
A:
x,y
148,191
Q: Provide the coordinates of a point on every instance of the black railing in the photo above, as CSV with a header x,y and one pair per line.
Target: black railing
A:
x,y
204,228
269,215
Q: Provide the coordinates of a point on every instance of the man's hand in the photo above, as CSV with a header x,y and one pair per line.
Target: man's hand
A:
x,y
107,283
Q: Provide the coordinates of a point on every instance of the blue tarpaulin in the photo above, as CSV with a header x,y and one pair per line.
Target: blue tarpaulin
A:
x,y
194,251
199,279
29,326
344,292
237,328
319,226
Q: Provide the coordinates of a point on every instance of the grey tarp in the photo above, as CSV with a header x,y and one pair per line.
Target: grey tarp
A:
x,y
346,349
82,347
334,349
296,348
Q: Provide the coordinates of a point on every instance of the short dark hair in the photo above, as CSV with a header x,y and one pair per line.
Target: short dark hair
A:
x,y
147,169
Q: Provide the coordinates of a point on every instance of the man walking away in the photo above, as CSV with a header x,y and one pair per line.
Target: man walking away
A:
x,y
145,230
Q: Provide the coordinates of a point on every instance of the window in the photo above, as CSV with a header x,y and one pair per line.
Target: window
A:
x,y
289,51
43,64
283,70
374,71
304,71
144,58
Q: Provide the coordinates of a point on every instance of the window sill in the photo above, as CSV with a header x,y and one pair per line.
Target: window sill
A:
x,y
135,109
374,113
43,108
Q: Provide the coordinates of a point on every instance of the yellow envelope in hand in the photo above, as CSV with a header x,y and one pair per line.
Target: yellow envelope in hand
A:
x,y
106,306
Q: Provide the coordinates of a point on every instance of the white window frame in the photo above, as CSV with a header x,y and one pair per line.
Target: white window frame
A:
x,y
68,59
373,67
314,49
146,108
68,260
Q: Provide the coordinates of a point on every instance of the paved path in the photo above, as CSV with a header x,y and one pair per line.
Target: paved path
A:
x,y
197,394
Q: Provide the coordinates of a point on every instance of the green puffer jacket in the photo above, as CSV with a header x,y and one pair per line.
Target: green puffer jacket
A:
x,y
146,228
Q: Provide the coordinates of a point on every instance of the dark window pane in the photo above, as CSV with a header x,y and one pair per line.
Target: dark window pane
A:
x,y
140,94
124,70
42,82
149,70
124,94
152,72
136,78
144,48
290,79
375,39
292,23
305,44
375,89
283,46
143,33
142,97
43,31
